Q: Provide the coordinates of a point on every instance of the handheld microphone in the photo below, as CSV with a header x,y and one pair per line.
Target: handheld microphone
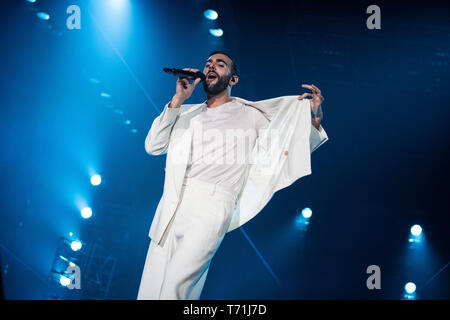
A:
x,y
185,74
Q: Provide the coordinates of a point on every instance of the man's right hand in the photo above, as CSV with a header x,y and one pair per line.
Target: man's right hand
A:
x,y
184,90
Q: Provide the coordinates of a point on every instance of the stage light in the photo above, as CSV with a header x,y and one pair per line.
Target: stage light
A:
x,y
216,32
127,122
416,235
118,4
76,245
31,1
105,95
410,288
43,15
96,180
134,130
86,212
210,14
64,281
307,213
302,219
416,230
70,234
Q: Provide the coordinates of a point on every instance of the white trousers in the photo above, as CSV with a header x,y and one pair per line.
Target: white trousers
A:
x,y
176,268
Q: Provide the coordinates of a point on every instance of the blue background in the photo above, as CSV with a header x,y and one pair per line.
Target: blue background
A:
x,y
386,113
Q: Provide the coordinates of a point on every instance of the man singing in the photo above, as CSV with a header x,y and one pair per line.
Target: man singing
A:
x,y
225,159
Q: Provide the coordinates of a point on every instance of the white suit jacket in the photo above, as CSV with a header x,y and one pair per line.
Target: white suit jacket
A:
x,y
281,155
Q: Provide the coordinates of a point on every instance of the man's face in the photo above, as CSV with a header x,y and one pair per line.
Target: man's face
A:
x,y
218,73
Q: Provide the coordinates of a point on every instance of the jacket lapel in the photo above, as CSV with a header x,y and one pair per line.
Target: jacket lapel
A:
x,y
181,139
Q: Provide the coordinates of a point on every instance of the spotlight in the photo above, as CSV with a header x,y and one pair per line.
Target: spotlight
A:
x,y
86,212
210,14
105,95
416,230
302,220
410,287
76,245
118,4
216,32
96,180
31,1
307,213
43,15
416,235
64,281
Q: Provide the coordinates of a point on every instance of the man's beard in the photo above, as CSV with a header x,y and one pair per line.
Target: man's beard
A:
x,y
220,85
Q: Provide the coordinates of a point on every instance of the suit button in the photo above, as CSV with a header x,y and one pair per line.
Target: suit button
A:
x,y
286,153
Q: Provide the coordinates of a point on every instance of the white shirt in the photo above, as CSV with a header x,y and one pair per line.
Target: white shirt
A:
x,y
222,141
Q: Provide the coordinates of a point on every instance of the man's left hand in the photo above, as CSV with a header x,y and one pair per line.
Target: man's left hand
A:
x,y
315,103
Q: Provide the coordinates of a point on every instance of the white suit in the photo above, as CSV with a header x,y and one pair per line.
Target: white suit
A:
x,y
281,155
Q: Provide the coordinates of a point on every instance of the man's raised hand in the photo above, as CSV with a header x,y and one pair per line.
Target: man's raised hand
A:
x,y
316,97
184,90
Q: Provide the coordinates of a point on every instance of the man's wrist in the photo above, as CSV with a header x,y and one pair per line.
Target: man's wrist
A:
x,y
316,117
316,123
175,103
317,113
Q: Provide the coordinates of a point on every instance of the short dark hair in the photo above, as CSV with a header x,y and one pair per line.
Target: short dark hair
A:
x,y
234,67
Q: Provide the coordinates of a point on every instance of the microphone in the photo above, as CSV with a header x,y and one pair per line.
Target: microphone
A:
x,y
185,74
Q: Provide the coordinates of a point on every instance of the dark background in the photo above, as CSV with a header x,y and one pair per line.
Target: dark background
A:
x,y
383,169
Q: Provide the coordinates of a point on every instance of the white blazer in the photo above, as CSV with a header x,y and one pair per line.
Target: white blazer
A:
x,y
281,155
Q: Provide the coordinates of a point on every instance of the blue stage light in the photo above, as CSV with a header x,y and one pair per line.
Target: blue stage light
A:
x,y
64,281
410,288
302,220
105,95
307,213
416,230
416,235
210,14
43,15
118,4
96,180
216,32
31,1
86,212
76,245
